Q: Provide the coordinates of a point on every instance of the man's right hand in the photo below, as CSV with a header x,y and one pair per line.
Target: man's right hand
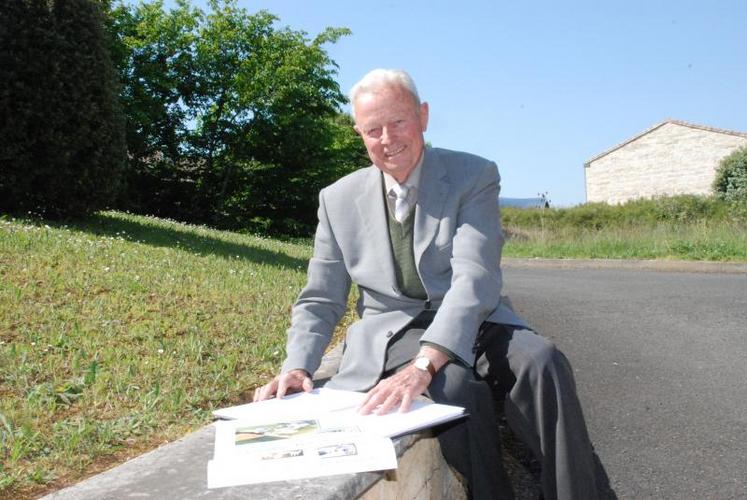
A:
x,y
285,383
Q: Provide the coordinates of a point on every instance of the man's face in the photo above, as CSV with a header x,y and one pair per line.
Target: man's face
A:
x,y
392,127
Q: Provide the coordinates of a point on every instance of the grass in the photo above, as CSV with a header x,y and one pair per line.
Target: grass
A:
x,y
122,332
719,242
682,227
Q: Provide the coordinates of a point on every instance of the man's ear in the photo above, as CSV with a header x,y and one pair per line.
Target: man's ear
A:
x,y
424,116
357,130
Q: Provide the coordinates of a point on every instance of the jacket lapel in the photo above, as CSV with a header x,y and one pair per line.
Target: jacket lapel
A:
x,y
432,194
371,209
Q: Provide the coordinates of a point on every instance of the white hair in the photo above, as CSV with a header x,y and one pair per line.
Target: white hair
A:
x,y
379,78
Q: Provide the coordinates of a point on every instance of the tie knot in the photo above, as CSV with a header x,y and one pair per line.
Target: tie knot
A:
x,y
400,191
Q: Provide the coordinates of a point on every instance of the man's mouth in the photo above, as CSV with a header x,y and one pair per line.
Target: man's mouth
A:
x,y
394,152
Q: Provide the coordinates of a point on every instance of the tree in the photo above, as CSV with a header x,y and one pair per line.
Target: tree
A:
x,y
89,121
231,120
66,154
731,176
152,51
265,98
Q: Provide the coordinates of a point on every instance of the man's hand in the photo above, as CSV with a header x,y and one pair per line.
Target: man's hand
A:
x,y
399,389
402,387
285,383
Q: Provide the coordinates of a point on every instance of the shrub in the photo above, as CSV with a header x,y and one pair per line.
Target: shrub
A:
x,y
681,209
62,144
25,44
731,176
688,208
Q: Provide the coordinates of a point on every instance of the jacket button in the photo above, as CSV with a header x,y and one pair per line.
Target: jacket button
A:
x,y
389,334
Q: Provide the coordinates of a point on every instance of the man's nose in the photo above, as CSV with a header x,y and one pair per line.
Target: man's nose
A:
x,y
385,136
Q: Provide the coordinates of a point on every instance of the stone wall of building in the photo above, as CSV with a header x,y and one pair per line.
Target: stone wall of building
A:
x,y
671,159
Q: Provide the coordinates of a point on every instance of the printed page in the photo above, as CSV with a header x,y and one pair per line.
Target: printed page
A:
x,y
247,453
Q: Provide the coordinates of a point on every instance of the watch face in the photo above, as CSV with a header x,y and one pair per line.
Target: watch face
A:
x,y
422,363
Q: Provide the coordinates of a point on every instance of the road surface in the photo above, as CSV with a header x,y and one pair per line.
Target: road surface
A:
x,y
661,366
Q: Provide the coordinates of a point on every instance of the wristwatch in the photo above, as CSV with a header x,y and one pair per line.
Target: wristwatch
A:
x,y
423,363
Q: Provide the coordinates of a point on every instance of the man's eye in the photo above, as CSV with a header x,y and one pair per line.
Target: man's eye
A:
x,y
374,132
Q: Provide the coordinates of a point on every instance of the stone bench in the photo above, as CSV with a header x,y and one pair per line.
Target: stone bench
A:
x,y
178,470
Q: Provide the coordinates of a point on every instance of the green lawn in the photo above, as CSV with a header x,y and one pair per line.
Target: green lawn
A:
x,y
122,332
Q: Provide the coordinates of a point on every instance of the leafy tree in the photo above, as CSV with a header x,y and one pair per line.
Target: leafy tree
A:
x,y
731,176
267,98
232,121
152,50
65,157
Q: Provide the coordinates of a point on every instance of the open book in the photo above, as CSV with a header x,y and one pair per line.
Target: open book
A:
x,y
311,434
342,406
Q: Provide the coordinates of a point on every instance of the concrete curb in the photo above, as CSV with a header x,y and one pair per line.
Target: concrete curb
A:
x,y
178,470
684,266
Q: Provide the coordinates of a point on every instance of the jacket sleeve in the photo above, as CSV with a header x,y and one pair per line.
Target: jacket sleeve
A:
x,y
476,279
322,301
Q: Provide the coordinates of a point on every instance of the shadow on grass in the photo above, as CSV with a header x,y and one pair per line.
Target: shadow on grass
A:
x,y
103,224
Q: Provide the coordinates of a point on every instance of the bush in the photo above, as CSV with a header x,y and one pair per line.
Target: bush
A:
x,y
682,209
25,44
62,147
731,176
688,208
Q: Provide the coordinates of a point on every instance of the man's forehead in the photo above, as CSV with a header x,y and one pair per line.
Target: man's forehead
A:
x,y
388,100
384,91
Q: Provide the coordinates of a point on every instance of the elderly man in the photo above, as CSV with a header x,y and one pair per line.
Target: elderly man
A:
x,y
419,233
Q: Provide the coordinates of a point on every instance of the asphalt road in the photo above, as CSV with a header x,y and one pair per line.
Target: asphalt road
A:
x,y
661,368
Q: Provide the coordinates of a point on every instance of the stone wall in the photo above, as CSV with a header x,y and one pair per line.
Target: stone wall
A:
x,y
670,159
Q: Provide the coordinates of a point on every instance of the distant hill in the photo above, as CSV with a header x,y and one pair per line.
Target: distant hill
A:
x,y
524,202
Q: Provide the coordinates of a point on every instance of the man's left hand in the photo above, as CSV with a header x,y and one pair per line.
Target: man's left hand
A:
x,y
402,387
399,389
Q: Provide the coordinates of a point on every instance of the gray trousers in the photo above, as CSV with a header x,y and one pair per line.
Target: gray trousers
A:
x,y
541,406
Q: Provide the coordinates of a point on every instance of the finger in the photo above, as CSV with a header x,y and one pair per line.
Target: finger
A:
x,y
370,404
270,389
264,392
369,395
282,386
389,403
404,406
259,393
307,385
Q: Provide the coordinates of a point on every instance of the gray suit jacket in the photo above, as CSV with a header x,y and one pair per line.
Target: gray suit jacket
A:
x,y
457,243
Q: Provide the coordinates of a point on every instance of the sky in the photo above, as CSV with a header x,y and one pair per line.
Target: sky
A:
x,y
541,87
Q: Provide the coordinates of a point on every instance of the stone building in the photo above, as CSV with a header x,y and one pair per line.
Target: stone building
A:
x,y
672,157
